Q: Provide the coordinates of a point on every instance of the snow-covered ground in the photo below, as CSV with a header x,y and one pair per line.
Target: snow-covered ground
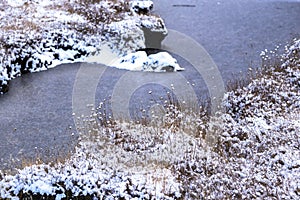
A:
x,y
37,35
255,154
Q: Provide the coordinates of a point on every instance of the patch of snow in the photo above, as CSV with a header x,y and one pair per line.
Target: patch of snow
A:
x,y
161,62
16,3
40,187
139,61
141,5
133,61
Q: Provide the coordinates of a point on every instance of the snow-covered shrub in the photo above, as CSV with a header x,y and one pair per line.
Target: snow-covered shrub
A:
x,y
37,35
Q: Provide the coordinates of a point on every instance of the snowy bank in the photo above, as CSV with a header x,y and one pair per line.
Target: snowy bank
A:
x,y
37,35
256,152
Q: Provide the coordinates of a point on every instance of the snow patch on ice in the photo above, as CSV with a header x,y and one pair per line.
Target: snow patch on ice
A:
x,y
139,61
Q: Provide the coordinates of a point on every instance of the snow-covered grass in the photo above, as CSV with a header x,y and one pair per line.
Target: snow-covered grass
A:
x,y
256,154
259,140
37,35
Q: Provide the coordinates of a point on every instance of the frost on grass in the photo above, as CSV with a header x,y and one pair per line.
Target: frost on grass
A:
x,y
37,35
256,154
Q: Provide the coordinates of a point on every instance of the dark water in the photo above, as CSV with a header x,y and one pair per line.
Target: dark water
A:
x,y
36,114
234,32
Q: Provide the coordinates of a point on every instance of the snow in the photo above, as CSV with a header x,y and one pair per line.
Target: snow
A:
x,y
15,3
259,154
162,61
257,150
133,61
82,181
139,61
50,33
142,5
40,187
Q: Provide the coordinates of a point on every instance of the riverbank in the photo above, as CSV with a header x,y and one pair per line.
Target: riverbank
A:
x,y
255,153
36,36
